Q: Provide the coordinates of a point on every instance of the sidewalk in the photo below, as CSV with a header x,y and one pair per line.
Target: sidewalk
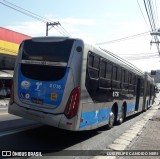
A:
x,y
4,103
143,135
149,139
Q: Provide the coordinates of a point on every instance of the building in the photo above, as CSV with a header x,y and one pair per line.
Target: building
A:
x,y
9,45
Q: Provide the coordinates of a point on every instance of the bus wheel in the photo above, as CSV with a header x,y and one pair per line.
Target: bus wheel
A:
x,y
120,121
111,119
147,105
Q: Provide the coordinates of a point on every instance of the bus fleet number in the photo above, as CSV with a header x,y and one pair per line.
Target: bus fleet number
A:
x,y
115,94
55,86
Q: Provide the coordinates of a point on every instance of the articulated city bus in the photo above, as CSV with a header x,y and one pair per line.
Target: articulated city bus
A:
x,y
67,83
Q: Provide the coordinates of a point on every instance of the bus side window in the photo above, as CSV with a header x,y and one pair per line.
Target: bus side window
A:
x,y
114,74
109,70
123,76
142,87
126,77
125,80
93,66
96,62
134,81
90,60
119,74
131,84
103,69
130,78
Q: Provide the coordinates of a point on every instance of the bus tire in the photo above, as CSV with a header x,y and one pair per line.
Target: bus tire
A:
x,y
120,121
111,118
147,105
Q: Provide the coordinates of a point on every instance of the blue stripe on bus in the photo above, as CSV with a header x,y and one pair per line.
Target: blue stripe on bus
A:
x,y
130,107
94,117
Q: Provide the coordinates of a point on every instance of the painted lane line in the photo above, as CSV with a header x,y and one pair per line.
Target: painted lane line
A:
x,y
20,130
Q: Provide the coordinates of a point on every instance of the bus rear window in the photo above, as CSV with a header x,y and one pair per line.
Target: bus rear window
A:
x,y
47,51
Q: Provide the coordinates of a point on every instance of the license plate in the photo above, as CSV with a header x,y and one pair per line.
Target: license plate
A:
x,y
37,101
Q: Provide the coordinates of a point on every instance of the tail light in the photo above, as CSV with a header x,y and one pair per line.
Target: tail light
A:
x,y
72,104
12,93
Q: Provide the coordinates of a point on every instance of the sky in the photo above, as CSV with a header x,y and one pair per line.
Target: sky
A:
x,y
95,21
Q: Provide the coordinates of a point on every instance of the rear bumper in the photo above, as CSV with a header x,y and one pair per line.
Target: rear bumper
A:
x,y
42,117
59,120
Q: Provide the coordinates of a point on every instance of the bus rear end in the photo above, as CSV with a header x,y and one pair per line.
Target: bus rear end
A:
x,y
46,83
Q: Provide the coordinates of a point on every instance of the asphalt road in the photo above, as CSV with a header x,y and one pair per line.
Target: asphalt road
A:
x,y
19,134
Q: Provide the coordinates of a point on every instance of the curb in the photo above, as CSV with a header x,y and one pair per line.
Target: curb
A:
x,y
128,136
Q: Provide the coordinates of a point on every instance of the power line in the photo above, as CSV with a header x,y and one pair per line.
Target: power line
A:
x,y
144,58
25,10
120,58
157,13
35,16
64,28
22,12
125,38
139,54
142,14
151,13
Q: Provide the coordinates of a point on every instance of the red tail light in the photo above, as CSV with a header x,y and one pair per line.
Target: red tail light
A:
x,y
12,93
72,104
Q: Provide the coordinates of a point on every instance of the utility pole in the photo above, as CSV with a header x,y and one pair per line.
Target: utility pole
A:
x,y
52,25
155,33
156,39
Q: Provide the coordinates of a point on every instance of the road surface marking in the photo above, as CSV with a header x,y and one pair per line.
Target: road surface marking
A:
x,y
20,130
